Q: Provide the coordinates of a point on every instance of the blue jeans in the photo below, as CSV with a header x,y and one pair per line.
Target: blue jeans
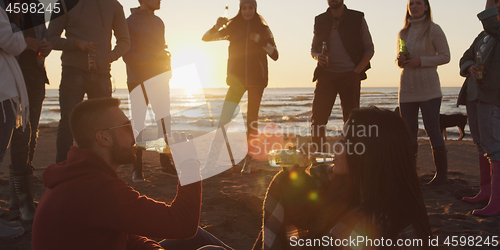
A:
x,y
74,84
489,129
474,125
7,123
203,240
23,143
430,115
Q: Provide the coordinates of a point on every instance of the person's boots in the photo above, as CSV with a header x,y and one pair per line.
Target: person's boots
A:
x,y
9,230
440,155
485,185
493,207
14,201
137,171
24,190
167,165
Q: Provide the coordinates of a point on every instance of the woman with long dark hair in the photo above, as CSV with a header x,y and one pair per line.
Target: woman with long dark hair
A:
x,y
380,164
420,87
250,42
372,190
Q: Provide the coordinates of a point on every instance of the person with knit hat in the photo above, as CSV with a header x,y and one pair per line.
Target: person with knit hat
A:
x,y
483,108
250,42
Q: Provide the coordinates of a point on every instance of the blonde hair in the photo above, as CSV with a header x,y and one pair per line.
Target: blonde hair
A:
x,y
426,27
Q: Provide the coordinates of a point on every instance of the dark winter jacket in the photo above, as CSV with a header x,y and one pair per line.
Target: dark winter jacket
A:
x,y
489,91
247,62
147,56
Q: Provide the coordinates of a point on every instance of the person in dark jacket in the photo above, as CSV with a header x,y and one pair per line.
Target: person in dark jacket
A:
x,y
147,59
250,41
88,27
350,49
482,100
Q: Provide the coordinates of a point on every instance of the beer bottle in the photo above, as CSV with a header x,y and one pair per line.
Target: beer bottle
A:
x,y
226,15
324,51
403,49
40,60
480,68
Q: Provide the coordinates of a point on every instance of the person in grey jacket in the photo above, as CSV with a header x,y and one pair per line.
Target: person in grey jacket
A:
x,y
86,55
482,100
146,59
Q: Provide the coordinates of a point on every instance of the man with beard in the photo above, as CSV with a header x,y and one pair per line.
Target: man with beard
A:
x,y
341,68
87,206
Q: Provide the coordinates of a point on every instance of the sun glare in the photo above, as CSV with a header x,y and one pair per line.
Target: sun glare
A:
x,y
187,78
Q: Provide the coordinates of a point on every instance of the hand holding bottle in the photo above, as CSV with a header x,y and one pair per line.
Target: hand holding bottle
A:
x,y
323,60
323,57
32,44
401,59
472,70
221,21
44,47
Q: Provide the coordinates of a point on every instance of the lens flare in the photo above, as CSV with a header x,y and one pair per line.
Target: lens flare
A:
x,y
313,195
293,175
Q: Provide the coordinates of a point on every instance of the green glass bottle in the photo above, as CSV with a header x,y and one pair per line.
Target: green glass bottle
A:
x,y
403,49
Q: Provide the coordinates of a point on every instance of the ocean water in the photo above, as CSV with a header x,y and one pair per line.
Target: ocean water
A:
x,y
289,108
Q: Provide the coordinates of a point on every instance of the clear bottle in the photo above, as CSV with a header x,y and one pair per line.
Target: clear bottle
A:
x,y
324,51
403,49
287,158
480,68
226,15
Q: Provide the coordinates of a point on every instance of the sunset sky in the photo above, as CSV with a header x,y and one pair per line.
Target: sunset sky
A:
x,y
198,63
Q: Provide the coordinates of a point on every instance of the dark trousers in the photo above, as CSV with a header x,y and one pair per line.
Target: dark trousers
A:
x,y
430,116
7,123
233,97
347,85
75,83
24,142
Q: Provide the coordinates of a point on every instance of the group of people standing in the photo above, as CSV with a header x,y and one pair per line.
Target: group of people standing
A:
x,y
81,176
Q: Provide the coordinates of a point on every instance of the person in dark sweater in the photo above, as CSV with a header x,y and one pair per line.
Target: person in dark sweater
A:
x,y
250,42
87,206
350,49
87,54
147,59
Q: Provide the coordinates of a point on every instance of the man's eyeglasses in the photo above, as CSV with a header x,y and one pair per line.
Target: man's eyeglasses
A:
x,y
129,124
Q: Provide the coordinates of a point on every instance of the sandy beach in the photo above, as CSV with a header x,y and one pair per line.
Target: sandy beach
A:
x,y
232,202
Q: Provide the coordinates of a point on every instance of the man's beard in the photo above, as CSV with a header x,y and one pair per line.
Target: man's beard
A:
x,y
123,155
336,6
